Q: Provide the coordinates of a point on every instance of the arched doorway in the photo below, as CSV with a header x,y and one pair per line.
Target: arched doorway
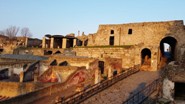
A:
x,y
167,49
145,59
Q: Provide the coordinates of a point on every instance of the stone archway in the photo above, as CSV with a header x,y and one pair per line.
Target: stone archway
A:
x,y
145,59
167,50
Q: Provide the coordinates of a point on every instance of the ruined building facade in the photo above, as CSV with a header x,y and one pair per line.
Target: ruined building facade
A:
x,y
144,42
147,38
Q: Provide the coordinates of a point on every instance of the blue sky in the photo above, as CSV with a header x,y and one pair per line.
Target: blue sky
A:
x,y
69,16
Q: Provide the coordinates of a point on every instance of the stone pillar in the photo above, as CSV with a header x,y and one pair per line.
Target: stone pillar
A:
x,y
74,42
64,42
44,42
26,42
109,72
154,60
21,76
52,42
87,66
96,76
158,56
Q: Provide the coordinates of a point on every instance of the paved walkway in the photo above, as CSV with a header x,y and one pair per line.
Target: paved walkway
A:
x,y
120,91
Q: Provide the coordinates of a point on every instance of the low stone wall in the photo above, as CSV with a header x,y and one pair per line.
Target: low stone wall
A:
x,y
35,95
12,89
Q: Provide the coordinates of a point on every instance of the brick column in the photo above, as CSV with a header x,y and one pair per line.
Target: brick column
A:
x,y
43,42
52,42
64,42
74,42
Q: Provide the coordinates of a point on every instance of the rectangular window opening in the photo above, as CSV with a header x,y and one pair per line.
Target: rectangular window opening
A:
x,y
129,31
112,32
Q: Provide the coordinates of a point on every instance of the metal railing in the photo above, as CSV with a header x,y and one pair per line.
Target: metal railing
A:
x,y
142,95
92,90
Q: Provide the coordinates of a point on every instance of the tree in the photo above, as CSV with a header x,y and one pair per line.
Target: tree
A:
x,y
12,31
25,32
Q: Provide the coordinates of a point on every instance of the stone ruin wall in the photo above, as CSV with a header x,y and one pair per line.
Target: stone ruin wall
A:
x,y
129,59
149,33
146,33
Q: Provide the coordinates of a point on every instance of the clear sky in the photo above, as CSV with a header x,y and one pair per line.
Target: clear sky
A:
x,y
69,16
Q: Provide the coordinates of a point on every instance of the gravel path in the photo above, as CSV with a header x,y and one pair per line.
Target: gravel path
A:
x,y
120,91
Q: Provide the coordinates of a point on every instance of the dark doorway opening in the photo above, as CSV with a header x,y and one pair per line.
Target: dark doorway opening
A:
x,y
167,47
101,66
179,91
48,41
78,42
146,57
57,42
69,43
86,42
111,40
